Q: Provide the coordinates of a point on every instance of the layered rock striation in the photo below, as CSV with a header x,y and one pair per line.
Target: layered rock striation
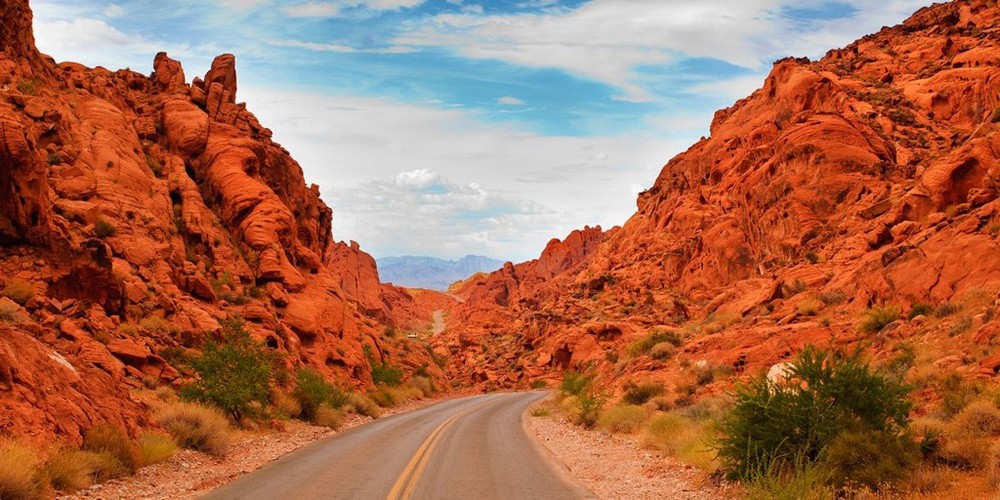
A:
x,y
138,211
867,178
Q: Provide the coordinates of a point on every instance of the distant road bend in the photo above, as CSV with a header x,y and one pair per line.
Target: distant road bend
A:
x,y
469,448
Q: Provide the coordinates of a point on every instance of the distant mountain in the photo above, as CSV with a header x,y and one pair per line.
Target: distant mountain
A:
x,y
430,272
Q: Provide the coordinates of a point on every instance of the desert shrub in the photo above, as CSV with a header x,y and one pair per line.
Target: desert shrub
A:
x,y
797,482
363,405
311,390
663,350
388,396
645,344
196,427
832,298
589,406
234,375
70,470
826,394
809,307
155,448
868,458
704,374
966,452
8,312
18,471
575,383
946,309
154,166
637,394
980,418
29,86
540,411
328,417
539,384
963,325
878,318
926,480
383,372
154,323
423,384
120,454
955,393
622,419
19,290
920,309
104,229
687,439
286,405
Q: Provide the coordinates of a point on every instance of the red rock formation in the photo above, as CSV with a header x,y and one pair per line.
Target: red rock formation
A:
x,y
871,174
131,202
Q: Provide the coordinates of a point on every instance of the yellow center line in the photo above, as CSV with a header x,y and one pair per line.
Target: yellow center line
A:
x,y
408,479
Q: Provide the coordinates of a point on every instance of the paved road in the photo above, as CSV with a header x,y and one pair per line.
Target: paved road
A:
x,y
470,448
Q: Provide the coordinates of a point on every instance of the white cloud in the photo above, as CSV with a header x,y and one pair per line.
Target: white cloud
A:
x,y
610,40
243,4
509,100
336,47
335,8
312,10
114,10
361,149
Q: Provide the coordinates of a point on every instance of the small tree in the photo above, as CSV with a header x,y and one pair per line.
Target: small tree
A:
x,y
234,375
824,395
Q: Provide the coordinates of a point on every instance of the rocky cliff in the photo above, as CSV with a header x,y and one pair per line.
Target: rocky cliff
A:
x,y
136,211
867,178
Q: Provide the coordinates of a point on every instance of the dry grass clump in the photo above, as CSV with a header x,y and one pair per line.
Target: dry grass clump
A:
x,y
155,324
387,396
8,312
623,419
328,417
662,350
363,405
69,470
809,307
19,290
19,465
286,405
422,383
117,454
978,418
878,318
687,439
196,427
155,448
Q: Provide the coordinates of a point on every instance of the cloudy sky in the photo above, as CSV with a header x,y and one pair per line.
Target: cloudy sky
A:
x,y
454,127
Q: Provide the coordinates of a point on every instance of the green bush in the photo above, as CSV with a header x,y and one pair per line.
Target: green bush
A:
x,y
878,318
637,394
826,394
312,390
575,383
104,229
868,458
383,372
920,309
644,344
589,406
234,375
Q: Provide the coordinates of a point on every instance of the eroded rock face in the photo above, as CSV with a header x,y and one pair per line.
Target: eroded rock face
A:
x,y
143,210
871,174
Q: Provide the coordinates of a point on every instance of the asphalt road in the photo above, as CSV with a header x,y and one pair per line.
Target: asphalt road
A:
x,y
470,448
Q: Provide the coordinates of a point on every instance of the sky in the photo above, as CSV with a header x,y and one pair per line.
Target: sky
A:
x,y
454,127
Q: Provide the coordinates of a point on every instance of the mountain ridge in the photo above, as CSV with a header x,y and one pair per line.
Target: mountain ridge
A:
x,y
415,271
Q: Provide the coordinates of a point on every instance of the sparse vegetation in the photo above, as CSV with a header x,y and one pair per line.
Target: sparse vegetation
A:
x,y
946,309
809,307
647,343
382,371
623,419
29,86
312,391
155,448
575,383
793,422
196,427
19,464
681,436
8,312
637,394
19,290
118,454
234,375
878,318
104,229
327,416
69,470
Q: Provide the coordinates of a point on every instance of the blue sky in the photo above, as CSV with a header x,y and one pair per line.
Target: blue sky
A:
x,y
450,127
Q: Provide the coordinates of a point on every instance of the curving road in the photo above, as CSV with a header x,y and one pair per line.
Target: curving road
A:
x,y
469,448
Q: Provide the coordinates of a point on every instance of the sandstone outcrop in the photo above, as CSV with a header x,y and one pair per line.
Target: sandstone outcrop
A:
x,y
867,178
139,211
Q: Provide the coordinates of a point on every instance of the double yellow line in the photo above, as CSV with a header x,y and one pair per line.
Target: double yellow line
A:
x,y
407,481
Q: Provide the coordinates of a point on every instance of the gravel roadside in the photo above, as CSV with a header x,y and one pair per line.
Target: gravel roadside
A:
x,y
615,466
190,474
